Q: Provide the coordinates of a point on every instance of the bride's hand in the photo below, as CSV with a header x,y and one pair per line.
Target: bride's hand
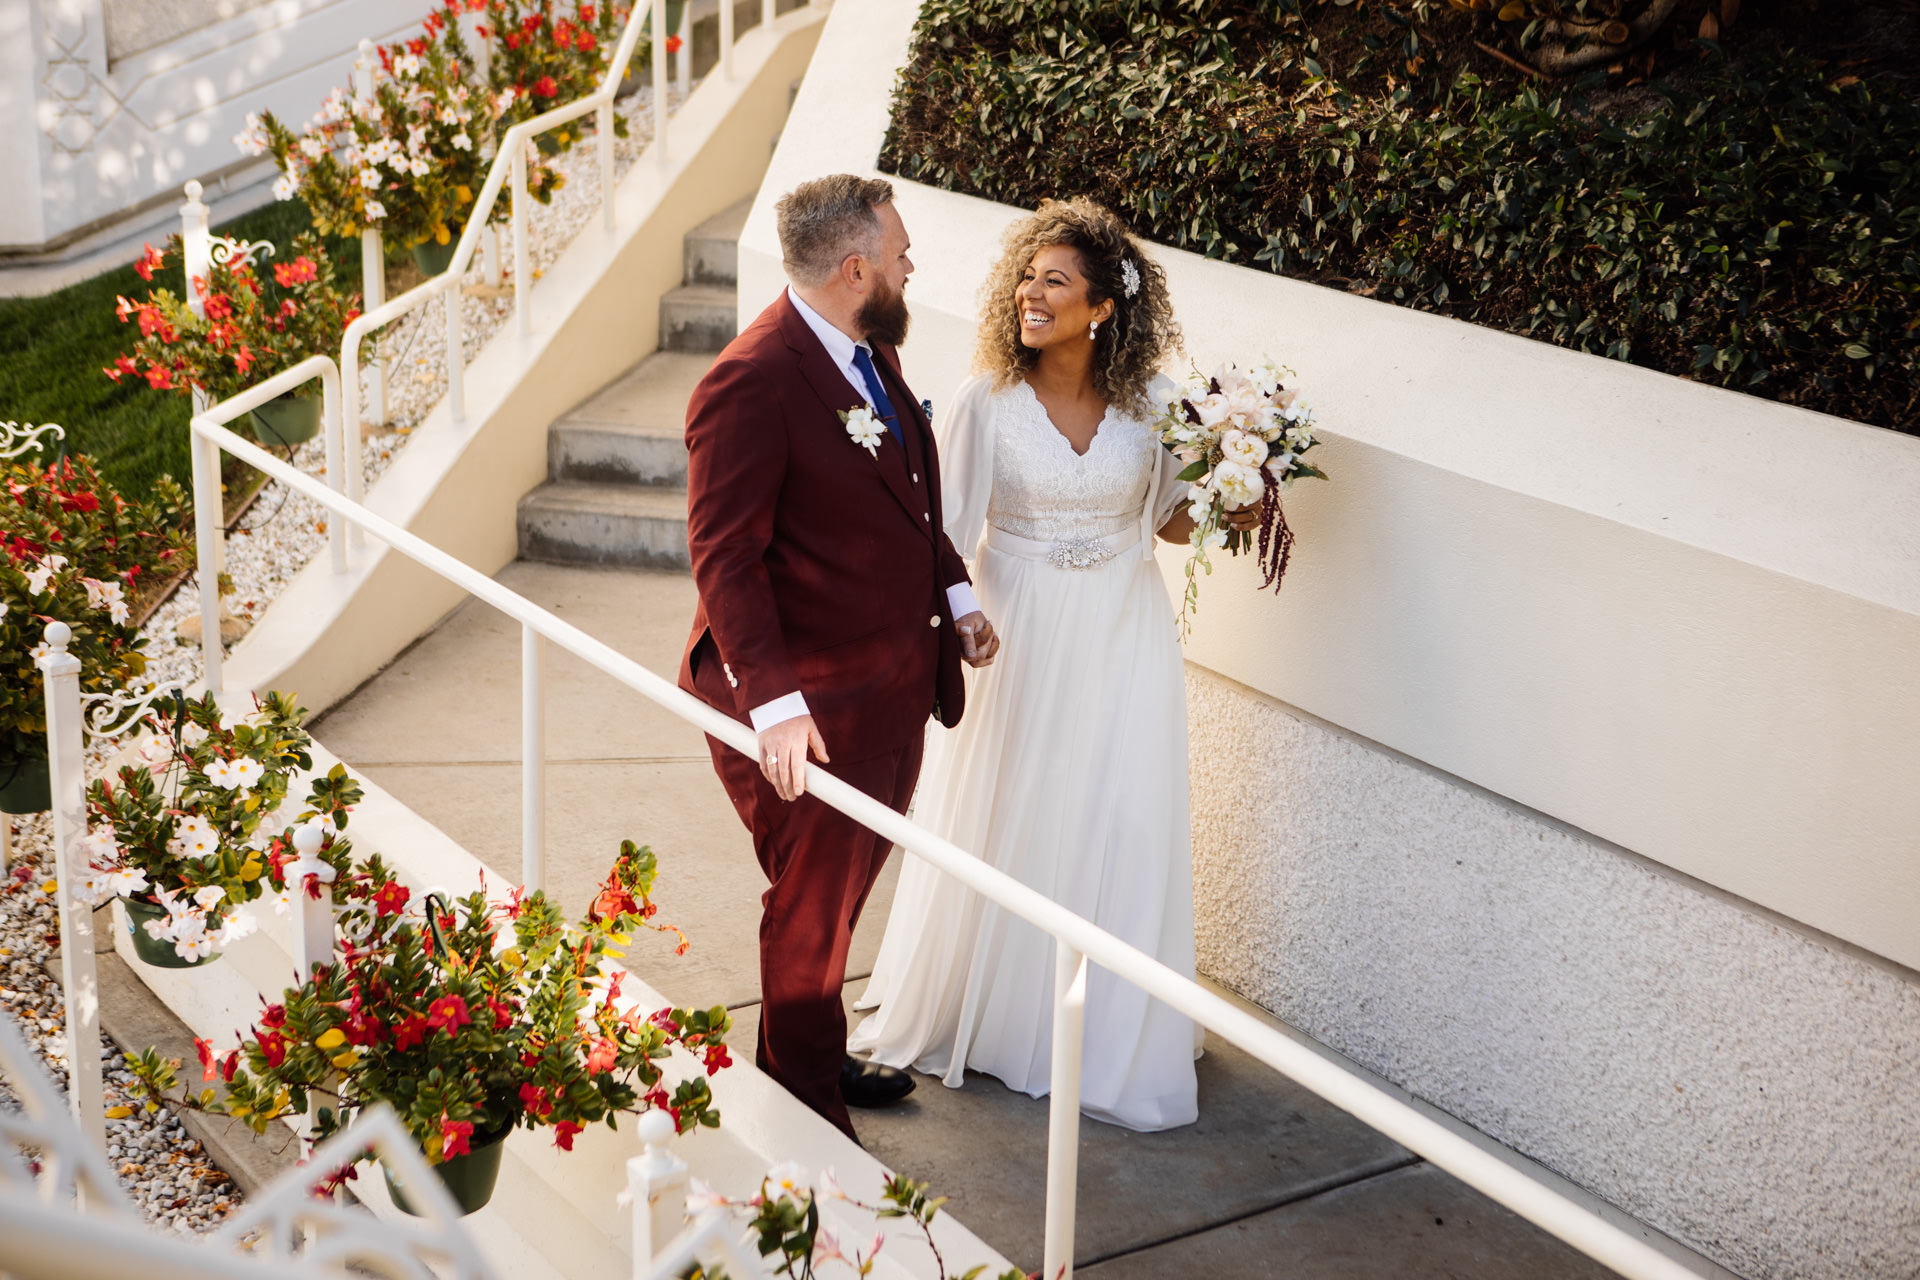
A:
x,y
1245,520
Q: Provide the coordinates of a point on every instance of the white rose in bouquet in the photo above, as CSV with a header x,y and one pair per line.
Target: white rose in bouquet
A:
x,y
1243,448
1239,486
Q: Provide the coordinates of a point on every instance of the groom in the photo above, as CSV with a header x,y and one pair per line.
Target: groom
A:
x,y
834,613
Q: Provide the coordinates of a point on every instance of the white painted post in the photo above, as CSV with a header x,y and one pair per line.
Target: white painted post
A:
x,y
196,245
603,134
456,354
658,27
490,255
207,548
313,939
683,61
1063,1113
657,1182
766,23
726,38
373,274
533,760
330,424
522,269
61,672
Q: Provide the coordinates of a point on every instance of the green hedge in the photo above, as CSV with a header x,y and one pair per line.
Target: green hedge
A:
x,y
1759,229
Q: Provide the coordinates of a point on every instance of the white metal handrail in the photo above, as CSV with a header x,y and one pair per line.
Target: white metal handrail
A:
x,y
1077,940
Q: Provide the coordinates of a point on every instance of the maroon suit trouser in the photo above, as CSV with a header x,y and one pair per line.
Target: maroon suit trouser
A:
x,y
820,867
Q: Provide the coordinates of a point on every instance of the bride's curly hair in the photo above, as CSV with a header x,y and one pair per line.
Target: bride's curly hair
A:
x,y
1130,347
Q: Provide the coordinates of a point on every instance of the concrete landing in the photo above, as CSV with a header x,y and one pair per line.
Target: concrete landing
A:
x,y
1271,1181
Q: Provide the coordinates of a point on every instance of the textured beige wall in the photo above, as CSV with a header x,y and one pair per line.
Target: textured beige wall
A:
x,y
1739,1084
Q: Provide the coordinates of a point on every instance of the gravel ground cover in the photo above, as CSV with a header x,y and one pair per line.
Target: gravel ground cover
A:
x,y
163,1170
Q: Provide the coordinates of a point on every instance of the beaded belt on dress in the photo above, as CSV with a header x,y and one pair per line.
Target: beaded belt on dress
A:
x,y
1082,552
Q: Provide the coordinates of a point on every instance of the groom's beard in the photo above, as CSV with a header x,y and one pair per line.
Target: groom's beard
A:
x,y
883,316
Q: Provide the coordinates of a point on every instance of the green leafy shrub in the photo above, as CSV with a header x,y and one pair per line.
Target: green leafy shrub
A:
x,y
1759,229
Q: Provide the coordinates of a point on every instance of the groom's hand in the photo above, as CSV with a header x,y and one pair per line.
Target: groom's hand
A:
x,y
783,754
978,643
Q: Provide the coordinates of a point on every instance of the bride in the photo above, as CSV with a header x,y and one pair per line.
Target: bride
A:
x,y
1069,771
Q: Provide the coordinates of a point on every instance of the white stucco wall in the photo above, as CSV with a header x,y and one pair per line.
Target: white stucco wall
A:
x,y
1678,622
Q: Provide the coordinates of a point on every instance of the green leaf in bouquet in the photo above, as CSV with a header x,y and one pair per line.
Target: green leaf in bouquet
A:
x,y
1193,471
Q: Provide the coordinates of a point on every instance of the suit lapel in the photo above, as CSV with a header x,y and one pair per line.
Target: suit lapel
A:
x,y
838,395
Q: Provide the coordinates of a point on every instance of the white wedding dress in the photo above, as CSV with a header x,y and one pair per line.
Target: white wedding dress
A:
x,y
1068,771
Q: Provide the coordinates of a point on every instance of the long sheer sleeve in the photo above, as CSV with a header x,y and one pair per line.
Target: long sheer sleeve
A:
x,y
1165,491
965,435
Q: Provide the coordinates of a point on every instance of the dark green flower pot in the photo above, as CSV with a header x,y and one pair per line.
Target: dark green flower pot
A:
x,y
26,785
433,258
157,952
287,420
468,1178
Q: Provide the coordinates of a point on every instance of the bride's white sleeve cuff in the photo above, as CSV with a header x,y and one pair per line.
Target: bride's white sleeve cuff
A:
x,y
962,601
769,714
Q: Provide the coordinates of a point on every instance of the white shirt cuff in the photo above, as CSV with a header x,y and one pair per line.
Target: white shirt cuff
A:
x,y
961,600
767,715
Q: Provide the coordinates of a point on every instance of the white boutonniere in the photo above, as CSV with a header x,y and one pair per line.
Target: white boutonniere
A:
x,y
865,429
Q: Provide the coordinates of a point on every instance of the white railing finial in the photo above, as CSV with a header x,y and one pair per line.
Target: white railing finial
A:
x,y
657,1181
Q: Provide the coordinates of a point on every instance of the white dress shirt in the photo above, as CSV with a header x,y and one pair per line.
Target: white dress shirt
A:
x,y
840,348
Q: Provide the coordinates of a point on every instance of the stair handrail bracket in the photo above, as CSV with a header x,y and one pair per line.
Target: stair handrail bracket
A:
x,y
509,164
1075,936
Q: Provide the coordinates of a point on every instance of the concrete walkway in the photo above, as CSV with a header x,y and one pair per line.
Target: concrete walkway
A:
x,y
1271,1181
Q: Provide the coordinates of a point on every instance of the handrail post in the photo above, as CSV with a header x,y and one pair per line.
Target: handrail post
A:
x,y
603,132
207,515
657,1181
533,759
61,677
766,22
726,39
659,50
373,268
330,392
683,61
522,272
456,354
1063,1112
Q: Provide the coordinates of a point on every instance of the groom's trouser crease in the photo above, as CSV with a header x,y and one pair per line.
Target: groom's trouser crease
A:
x,y
821,866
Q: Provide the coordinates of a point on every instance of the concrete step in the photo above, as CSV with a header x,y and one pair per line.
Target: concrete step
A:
x,y
698,317
633,430
712,249
634,526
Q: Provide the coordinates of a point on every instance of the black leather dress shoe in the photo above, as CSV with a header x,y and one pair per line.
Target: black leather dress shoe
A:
x,y
868,1084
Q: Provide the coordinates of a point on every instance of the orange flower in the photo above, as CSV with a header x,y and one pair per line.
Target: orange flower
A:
x,y
149,260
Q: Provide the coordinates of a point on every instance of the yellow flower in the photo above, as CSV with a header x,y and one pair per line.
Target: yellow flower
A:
x,y
251,869
347,1059
440,235
464,192
331,1040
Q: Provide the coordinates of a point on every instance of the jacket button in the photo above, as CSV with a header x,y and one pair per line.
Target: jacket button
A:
x,y
934,621
927,516
916,477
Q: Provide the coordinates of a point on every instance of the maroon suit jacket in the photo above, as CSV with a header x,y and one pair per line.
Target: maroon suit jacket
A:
x,y
820,568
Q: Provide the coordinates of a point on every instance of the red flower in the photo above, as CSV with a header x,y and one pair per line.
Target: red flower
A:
x,y
664,1020
586,14
159,377
391,899
409,1031
221,334
673,44
530,23
486,33
79,502
502,1013
273,1047
121,367
585,42
535,1100
220,305
416,47
563,33
563,1134
243,358
123,307
205,1049
453,1138
717,1058
229,1065
514,39
275,1017
449,1014
149,260
300,271
544,87
289,307
363,1028
604,1055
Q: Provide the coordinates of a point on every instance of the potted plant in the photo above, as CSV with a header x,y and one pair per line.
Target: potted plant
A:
x,y
467,1018
248,329
75,552
183,840
405,162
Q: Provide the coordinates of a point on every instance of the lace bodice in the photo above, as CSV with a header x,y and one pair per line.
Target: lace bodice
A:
x,y
1045,491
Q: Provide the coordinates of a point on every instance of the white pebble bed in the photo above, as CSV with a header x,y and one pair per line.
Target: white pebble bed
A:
x,y
164,1171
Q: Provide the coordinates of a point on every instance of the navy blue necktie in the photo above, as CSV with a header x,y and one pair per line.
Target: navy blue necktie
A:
x,y
881,405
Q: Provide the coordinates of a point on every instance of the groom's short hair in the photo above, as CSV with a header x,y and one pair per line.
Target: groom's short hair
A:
x,y
824,220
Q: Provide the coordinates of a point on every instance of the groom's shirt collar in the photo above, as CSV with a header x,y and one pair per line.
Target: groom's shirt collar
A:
x,y
840,347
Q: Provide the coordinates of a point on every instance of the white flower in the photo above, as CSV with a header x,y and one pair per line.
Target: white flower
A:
x,y
94,889
282,901
192,735
788,1178
248,770
236,926
701,1197
39,651
1213,409
1239,447
285,188
162,930
826,1247
1239,486
42,573
1210,542
1279,464
830,1186
195,946
370,177
104,595
196,836
1266,375
407,65
313,147
421,167
461,142
865,429
206,897
127,881
375,211
253,138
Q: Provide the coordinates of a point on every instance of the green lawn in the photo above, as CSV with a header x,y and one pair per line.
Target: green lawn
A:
x,y
52,351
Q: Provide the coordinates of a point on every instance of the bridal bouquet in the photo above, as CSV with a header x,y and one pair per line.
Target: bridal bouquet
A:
x,y
1243,435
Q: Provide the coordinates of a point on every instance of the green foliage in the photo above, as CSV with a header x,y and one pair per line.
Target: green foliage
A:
x,y
1759,230
53,348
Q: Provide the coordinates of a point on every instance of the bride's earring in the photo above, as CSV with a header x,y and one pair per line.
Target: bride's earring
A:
x,y
1093,330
